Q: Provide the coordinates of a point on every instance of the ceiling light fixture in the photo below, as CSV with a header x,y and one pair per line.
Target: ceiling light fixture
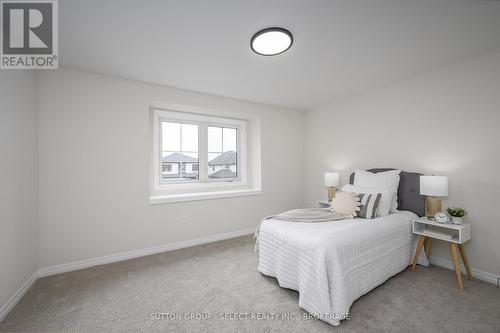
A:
x,y
271,41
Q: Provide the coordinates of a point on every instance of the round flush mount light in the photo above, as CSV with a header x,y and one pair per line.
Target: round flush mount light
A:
x,y
271,41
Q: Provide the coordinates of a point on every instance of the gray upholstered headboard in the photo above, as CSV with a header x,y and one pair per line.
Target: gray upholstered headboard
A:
x,y
409,197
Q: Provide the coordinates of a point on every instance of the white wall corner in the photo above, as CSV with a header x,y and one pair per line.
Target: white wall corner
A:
x,y
7,307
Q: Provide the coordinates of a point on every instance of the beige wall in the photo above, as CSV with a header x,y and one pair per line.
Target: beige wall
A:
x,y
445,122
18,180
94,168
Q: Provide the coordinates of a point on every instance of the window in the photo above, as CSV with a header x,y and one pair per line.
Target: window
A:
x,y
199,156
196,156
180,143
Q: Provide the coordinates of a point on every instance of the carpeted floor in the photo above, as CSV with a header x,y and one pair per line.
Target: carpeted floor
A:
x,y
221,278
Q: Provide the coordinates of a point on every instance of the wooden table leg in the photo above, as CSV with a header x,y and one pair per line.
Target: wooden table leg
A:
x,y
458,273
427,247
464,259
417,253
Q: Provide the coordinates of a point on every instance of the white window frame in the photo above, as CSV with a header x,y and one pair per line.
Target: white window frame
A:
x,y
185,190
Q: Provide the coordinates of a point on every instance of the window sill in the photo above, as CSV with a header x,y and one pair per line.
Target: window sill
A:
x,y
171,198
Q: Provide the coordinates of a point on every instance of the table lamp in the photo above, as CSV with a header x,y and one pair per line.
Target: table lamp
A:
x,y
332,180
433,187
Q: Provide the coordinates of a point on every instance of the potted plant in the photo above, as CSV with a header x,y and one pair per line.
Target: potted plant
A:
x,y
457,214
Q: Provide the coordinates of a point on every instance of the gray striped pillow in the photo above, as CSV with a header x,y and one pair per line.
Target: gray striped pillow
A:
x,y
369,204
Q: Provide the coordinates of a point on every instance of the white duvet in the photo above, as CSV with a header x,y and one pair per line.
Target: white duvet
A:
x,y
331,264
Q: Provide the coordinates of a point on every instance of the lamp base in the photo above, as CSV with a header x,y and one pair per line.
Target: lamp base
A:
x,y
331,193
433,207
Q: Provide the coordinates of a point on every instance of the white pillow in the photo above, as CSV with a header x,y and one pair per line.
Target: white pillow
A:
x,y
386,179
385,203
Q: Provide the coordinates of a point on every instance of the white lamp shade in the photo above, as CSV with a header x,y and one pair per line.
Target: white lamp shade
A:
x,y
332,179
434,186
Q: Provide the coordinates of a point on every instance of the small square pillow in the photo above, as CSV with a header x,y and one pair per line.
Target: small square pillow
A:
x,y
369,204
345,204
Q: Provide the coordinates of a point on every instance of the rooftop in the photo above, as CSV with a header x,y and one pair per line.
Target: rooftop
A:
x,y
223,173
178,157
227,158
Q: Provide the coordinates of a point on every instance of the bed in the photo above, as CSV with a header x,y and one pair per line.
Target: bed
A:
x,y
331,264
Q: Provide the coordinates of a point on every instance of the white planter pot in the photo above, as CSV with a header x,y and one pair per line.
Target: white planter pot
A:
x,y
457,220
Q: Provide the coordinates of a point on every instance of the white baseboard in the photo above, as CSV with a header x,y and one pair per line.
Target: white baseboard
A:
x,y
73,266
7,307
476,273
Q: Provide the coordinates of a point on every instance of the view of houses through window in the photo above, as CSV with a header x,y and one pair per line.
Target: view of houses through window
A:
x,y
179,151
180,148
222,161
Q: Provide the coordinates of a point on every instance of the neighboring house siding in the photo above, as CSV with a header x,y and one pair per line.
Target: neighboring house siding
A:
x,y
173,168
215,168
174,163
170,168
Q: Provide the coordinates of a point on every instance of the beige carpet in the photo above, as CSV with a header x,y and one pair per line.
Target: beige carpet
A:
x,y
222,277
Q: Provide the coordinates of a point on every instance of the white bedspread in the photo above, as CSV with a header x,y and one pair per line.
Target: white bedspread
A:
x,y
331,264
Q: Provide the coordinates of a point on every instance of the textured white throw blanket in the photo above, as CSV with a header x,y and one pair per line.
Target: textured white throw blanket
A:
x,y
331,264
303,215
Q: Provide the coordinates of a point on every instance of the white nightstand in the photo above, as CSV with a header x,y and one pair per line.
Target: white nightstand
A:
x,y
323,204
455,234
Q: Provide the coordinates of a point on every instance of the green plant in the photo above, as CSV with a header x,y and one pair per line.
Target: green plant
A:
x,y
456,212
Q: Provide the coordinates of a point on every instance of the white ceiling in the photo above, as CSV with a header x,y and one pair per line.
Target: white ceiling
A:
x,y
341,47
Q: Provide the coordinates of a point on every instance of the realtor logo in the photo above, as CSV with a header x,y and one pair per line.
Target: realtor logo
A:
x,y
29,34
